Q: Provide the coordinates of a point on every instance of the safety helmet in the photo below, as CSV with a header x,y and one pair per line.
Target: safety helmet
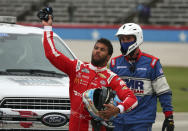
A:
x,y
131,29
95,98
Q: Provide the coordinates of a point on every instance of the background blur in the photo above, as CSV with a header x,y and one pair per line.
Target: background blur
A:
x,y
81,22
161,12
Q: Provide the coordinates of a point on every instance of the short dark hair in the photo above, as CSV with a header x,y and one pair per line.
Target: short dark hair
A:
x,y
107,43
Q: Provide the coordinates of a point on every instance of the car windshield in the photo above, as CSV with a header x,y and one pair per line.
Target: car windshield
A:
x,y
26,52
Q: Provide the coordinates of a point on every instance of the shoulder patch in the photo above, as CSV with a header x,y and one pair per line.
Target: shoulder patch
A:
x,y
78,65
153,62
112,75
153,59
113,61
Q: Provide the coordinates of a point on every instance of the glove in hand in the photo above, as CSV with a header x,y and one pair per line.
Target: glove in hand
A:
x,y
168,124
44,13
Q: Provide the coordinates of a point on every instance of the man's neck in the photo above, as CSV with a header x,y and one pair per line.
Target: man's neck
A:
x,y
133,57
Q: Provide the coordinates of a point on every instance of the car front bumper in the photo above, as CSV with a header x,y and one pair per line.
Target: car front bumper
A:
x,y
28,119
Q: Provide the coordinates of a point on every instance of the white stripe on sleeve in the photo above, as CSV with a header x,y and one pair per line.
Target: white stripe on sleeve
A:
x,y
51,45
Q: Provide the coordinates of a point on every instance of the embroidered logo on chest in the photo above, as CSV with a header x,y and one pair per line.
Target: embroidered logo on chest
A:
x,y
103,82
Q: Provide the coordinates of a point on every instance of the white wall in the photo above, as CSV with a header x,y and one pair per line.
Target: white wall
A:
x,y
171,54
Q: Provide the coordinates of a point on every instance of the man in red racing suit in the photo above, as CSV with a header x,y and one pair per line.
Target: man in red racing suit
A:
x,y
84,76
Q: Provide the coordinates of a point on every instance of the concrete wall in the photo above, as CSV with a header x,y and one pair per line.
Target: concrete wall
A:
x,y
169,43
170,54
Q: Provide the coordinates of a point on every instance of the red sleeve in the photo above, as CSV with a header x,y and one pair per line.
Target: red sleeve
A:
x,y
58,59
129,100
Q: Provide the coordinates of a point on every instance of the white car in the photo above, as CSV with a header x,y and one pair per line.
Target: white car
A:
x,y
33,93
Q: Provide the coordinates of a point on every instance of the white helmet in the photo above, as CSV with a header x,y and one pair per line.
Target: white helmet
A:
x,y
131,29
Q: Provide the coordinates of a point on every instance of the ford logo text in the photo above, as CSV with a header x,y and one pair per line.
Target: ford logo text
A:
x,y
54,119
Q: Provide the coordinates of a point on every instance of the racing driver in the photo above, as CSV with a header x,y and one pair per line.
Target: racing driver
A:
x,y
84,76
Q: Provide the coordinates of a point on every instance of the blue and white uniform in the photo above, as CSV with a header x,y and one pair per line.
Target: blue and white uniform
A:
x,y
148,83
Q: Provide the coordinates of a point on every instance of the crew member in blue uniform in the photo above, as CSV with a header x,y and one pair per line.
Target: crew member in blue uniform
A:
x,y
144,75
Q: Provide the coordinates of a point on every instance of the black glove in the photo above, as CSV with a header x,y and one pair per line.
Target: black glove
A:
x,y
44,13
168,124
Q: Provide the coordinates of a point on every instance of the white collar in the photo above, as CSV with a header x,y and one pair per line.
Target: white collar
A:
x,y
97,69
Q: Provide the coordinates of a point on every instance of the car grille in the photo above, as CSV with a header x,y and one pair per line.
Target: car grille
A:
x,y
36,103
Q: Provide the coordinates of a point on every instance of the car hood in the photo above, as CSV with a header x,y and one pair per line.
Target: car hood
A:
x,y
14,28
31,86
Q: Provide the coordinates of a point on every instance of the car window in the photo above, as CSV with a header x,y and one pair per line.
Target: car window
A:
x,y
26,52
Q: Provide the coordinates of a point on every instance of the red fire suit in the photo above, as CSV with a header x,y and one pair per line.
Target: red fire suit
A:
x,y
84,76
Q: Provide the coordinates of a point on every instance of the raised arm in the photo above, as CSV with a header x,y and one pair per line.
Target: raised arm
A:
x,y
58,59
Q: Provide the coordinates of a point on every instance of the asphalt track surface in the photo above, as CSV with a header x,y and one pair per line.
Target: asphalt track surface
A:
x,y
170,54
180,120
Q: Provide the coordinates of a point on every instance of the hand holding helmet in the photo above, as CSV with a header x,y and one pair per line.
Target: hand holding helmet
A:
x,y
44,14
110,111
100,104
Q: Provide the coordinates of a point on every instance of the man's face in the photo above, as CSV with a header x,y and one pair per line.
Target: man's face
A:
x,y
126,38
126,41
100,55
